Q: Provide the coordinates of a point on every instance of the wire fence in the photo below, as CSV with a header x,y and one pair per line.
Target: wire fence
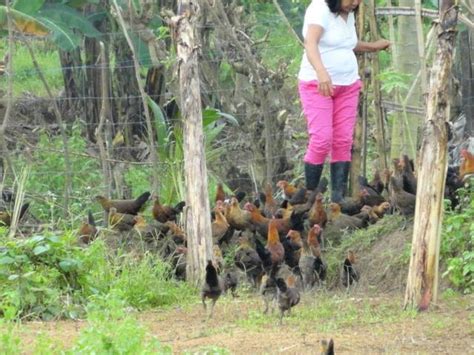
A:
x,y
249,160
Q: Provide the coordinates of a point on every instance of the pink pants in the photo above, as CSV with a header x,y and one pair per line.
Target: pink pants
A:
x,y
330,121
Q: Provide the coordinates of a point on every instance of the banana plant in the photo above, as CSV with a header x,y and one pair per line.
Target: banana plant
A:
x,y
58,19
171,152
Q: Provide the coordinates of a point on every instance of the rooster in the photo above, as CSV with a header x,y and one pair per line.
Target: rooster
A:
x,y
288,295
349,274
212,288
124,206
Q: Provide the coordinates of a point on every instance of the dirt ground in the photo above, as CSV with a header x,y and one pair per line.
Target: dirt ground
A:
x,y
358,325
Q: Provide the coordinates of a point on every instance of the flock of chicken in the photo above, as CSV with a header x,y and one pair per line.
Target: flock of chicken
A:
x,y
277,244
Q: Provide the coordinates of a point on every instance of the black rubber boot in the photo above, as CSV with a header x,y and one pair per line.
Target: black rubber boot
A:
x,y
339,176
312,173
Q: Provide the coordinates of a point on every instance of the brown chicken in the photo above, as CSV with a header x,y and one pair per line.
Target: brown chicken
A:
x,y
343,221
402,200
314,240
88,230
317,214
467,164
408,176
288,189
121,221
6,217
247,260
270,206
381,209
274,246
163,213
219,226
176,232
220,194
377,182
236,217
124,206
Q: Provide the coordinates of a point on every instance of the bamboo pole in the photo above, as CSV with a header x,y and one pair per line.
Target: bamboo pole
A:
x,y
104,112
143,95
6,162
380,130
422,281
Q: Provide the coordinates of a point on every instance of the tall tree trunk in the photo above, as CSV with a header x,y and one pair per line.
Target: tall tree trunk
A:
x,y
423,273
198,224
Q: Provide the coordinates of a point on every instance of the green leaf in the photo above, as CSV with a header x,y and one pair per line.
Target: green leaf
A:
x,y
13,277
6,260
37,238
41,249
29,7
66,15
69,265
161,126
141,49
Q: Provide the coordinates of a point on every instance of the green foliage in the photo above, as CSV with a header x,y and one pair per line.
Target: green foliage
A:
x,y
393,81
457,244
112,331
25,77
49,276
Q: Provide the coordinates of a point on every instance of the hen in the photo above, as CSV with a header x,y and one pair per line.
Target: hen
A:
x,y
212,288
163,213
124,206
402,200
88,230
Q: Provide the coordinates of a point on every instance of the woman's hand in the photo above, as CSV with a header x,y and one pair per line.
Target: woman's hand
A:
x,y
325,87
381,44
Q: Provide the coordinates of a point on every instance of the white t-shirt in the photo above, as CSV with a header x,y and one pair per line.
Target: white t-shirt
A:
x,y
336,45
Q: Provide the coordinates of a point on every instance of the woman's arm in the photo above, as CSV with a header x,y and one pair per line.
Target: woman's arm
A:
x,y
375,46
311,45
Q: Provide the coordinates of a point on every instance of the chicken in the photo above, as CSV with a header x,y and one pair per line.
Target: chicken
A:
x,y
219,226
311,267
176,232
6,217
220,194
236,217
377,182
370,214
351,206
247,260
121,221
178,261
402,200
88,230
371,198
270,205
409,179
317,214
212,288
218,258
124,206
163,213
349,274
314,240
288,295
288,189
231,281
343,221
300,197
268,291
381,209
273,244
467,164
327,348
292,245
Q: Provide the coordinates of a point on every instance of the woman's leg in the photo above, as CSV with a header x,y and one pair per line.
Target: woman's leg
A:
x,y
318,112
346,99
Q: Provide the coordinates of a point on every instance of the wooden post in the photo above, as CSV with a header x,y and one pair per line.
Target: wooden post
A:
x,y
197,210
380,132
423,273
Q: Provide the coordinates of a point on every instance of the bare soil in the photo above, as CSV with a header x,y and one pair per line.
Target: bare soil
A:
x,y
357,325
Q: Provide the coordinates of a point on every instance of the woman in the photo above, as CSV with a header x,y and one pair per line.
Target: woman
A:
x,y
329,87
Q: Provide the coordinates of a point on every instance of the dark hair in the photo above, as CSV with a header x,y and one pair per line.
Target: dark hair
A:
x,y
335,6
